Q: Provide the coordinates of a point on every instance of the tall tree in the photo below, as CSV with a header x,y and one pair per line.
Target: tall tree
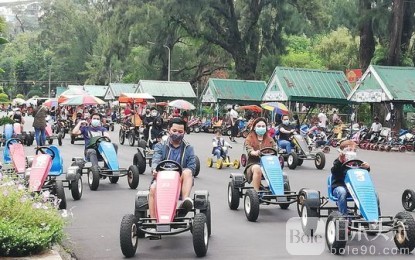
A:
x,y
367,38
395,37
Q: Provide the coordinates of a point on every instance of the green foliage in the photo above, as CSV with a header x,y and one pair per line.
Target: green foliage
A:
x,y
28,224
364,114
6,120
20,96
34,93
4,98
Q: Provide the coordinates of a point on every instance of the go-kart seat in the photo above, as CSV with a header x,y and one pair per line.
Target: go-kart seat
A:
x,y
330,191
57,162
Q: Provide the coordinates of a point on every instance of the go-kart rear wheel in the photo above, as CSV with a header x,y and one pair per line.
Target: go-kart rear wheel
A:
x,y
233,196
405,234
72,139
236,164
219,163
243,160
208,215
408,200
251,205
133,176
93,178
209,162
196,129
50,141
131,138
309,219
320,160
60,139
140,162
336,232
128,235
76,187
112,128
200,234
60,193
197,170
121,136
300,162
114,180
292,160
228,161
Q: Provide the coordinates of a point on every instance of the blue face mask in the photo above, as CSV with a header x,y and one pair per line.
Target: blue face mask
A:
x,y
260,130
286,122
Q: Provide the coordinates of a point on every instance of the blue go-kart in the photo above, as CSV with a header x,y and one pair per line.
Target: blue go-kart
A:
x,y
111,169
276,191
363,215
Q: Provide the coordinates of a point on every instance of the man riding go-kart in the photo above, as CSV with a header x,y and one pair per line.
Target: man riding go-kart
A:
x,y
178,150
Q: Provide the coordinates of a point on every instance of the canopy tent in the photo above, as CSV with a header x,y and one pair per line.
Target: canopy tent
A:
x,y
135,97
246,92
306,85
385,83
167,90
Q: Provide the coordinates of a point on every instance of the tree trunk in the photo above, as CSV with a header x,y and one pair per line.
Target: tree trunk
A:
x,y
244,67
408,25
395,38
367,40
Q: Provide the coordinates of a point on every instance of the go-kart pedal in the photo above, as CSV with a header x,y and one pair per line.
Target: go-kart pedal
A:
x,y
186,207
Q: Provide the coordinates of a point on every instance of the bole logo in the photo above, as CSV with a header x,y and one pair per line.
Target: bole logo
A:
x,y
298,243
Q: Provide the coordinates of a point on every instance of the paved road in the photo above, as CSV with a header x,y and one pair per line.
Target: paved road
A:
x,y
93,228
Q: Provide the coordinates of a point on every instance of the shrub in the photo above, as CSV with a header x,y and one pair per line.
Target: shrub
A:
x,y
29,223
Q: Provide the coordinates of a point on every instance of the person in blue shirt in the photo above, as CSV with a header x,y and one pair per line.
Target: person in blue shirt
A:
x,y
178,150
91,133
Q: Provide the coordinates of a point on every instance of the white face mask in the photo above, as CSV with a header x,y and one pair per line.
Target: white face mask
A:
x,y
350,155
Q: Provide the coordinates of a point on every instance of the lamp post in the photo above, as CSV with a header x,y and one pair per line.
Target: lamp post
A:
x,y
49,82
168,61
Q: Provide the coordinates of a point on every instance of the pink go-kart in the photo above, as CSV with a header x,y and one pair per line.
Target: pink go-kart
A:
x,y
43,172
50,136
171,219
14,157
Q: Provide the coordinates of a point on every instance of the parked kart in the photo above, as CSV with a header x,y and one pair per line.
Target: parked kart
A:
x,y
225,160
276,191
408,199
44,169
14,157
15,131
301,152
50,136
111,169
144,154
194,125
108,124
170,219
363,216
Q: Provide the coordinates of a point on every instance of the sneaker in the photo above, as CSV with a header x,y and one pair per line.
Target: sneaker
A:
x,y
187,205
151,236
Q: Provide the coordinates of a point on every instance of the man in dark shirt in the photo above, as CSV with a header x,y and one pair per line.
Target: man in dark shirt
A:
x,y
338,173
285,132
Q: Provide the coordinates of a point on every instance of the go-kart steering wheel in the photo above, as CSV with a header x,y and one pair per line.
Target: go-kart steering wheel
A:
x,y
353,164
169,165
13,140
103,138
268,151
43,150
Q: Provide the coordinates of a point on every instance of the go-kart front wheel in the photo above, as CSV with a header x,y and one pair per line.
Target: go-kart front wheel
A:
x,y
128,235
140,162
408,200
133,177
309,219
200,232
131,138
292,160
197,170
76,187
405,233
320,160
251,205
60,193
219,163
121,136
233,196
236,164
208,215
209,162
336,232
93,178
60,139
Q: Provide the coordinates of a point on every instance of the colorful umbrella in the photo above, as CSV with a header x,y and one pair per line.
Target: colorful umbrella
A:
x,y
18,101
252,108
73,92
83,100
51,102
182,104
276,107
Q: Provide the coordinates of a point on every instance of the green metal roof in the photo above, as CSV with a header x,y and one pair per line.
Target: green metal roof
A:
x,y
307,85
167,90
60,90
96,90
118,88
241,91
386,83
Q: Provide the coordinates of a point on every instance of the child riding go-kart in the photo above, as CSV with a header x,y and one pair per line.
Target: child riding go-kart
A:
x,y
106,152
276,191
220,151
169,218
363,216
45,167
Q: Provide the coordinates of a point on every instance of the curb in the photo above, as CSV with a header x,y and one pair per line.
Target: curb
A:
x,y
57,252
